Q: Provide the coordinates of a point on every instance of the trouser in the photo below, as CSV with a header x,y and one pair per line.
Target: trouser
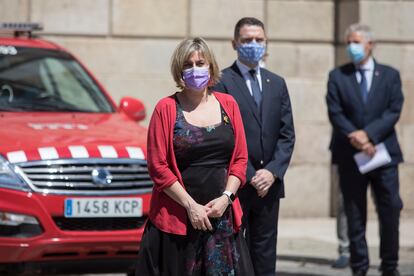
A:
x,y
385,186
342,228
341,224
260,220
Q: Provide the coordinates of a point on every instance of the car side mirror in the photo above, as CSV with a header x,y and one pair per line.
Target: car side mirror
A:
x,y
133,108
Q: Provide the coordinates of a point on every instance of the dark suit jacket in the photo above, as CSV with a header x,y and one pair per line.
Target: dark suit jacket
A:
x,y
270,140
347,112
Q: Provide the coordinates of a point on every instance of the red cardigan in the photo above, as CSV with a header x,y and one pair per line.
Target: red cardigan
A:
x,y
165,213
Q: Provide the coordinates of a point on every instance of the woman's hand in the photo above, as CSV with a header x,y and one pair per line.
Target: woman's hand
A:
x,y
198,217
217,206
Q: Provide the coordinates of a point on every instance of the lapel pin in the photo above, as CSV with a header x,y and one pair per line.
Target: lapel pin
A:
x,y
267,80
376,73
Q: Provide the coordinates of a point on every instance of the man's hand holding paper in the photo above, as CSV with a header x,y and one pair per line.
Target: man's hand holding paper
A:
x,y
367,162
359,139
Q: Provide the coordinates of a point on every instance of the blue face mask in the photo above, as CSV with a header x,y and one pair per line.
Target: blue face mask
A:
x,y
251,52
356,52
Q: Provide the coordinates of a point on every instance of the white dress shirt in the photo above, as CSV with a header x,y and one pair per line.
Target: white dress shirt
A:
x,y
248,77
368,68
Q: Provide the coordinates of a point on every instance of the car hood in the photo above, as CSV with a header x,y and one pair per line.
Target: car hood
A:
x,y
30,136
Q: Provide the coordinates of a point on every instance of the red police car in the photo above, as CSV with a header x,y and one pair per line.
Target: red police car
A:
x,y
74,185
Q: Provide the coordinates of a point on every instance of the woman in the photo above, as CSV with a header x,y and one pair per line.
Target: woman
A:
x,y
197,158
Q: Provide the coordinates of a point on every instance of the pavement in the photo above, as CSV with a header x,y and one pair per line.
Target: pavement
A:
x,y
308,247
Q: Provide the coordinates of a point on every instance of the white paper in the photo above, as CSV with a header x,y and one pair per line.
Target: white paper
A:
x,y
367,163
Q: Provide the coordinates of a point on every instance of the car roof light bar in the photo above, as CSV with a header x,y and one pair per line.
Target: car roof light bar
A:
x,y
20,28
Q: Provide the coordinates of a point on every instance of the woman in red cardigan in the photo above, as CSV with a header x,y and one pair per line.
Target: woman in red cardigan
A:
x,y
197,158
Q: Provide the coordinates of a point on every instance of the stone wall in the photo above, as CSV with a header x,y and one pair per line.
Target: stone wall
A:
x,y
128,44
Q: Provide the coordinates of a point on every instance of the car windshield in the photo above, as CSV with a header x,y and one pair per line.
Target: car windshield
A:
x,y
33,79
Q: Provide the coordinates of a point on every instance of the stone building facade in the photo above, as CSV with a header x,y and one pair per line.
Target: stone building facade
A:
x,y
128,44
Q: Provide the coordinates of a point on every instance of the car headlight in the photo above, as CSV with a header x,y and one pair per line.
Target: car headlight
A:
x,y
11,176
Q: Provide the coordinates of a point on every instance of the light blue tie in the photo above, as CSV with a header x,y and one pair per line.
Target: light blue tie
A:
x,y
363,85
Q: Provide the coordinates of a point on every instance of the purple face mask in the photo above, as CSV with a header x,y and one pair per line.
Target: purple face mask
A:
x,y
196,78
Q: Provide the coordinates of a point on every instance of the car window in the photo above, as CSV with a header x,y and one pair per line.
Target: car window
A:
x,y
47,80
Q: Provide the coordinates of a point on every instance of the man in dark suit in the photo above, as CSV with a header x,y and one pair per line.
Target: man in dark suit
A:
x,y
267,117
364,103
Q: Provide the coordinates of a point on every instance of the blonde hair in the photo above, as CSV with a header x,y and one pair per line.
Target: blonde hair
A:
x,y
184,51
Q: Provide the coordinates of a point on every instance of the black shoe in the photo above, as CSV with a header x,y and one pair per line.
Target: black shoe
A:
x,y
390,273
341,262
359,273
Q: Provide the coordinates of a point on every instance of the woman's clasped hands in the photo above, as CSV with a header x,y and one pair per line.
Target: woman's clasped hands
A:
x,y
199,214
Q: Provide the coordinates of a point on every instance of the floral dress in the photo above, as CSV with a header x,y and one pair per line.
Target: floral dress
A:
x,y
203,155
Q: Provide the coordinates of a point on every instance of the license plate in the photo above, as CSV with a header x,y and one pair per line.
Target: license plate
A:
x,y
103,207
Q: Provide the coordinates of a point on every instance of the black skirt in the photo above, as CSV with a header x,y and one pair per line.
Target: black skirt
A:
x,y
163,254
